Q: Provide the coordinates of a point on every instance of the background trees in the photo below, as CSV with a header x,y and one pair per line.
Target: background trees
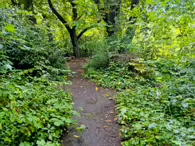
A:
x,y
78,16
72,30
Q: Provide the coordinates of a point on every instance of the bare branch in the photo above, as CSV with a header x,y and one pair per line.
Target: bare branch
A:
x,y
59,16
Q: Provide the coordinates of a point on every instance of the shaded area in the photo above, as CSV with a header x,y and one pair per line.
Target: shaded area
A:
x,y
96,109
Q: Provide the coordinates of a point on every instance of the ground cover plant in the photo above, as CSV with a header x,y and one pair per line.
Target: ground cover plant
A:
x,y
33,108
156,98
156,110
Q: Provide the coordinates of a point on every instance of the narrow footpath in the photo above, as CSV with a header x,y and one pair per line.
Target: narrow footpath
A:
x,y
96,109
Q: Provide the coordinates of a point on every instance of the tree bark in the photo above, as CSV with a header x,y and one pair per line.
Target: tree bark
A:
x,y
109,12
74,40
28,5
134,3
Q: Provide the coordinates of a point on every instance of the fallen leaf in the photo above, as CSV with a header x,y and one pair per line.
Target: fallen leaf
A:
x,y
109,121
96,89
115,119
76,136
107,94
111,112
105,126
120,135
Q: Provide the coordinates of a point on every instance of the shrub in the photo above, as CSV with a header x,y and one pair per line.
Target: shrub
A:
x,y
33,111
28,47
99,60
153,110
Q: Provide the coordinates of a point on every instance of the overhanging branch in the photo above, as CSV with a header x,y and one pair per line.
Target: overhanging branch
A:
x,y
84,30
59,16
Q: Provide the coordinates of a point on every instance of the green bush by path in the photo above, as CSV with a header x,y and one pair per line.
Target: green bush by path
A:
x,y
155,110
34,111
33,108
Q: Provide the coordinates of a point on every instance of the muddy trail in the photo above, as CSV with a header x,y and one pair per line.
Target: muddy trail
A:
x,y
96,109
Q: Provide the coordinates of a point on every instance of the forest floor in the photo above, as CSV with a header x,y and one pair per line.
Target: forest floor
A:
x,y
96,109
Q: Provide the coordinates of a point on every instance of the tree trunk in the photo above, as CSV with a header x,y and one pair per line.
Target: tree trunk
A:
x,y
109,12
75,42
28,5
71,30
76,50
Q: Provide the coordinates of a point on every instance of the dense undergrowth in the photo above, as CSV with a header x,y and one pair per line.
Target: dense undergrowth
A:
x,y
157,109
34,110
156,98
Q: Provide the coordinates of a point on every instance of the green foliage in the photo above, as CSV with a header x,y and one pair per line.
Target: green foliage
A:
x,y
156,110
100,59
89,47
34,110
157,100
120,76
164,28
29,47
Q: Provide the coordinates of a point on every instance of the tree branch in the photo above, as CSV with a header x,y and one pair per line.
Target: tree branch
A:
x,y
74,10
59,16
84,30
78,18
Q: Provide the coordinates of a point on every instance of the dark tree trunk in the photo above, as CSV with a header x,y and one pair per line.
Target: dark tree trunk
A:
x,y
28,5
134,3
75,42
72,31
109,12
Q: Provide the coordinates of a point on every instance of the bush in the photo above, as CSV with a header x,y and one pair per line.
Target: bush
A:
x,y
28,47
156,109
99,60
33,109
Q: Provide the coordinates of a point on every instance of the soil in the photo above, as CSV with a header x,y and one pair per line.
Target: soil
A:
x,y
97,111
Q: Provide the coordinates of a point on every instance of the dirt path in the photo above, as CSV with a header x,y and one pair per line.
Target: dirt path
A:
x,y
96,109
